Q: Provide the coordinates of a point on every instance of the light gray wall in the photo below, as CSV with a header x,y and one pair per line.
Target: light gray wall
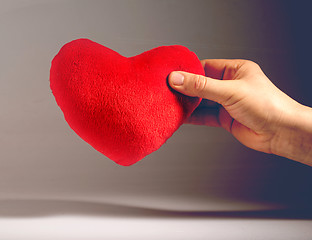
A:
x,y
199,168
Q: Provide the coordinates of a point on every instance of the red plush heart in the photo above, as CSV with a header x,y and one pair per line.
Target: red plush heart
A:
x,y
121,106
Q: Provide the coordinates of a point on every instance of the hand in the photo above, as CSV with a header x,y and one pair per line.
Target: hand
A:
x,y
248,105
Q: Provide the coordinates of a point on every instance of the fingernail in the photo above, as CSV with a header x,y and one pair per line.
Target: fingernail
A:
x,y
177,78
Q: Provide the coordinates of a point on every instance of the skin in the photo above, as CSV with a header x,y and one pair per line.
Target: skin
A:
x,y
248,105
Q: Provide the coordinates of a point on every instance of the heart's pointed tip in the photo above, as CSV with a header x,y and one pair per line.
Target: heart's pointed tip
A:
x,y
129,161
125,163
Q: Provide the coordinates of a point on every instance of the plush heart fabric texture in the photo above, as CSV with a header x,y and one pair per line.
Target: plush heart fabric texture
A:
x,y
121,106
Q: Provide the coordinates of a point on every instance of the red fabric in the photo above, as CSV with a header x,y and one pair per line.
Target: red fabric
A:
x,y
123,107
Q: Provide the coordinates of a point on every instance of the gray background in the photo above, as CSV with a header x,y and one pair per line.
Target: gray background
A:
x,y
199,168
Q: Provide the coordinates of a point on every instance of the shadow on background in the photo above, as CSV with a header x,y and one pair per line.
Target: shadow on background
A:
x,y
45,208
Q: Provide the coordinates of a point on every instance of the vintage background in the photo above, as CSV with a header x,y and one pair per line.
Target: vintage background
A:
x,y
47,171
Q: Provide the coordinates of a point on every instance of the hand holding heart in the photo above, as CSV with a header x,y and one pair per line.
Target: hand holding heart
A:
x,y
250,107
124,108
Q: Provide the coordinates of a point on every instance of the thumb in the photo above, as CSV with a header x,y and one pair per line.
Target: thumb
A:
x,y
204,87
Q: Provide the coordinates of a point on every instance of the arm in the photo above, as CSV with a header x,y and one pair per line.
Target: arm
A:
x,y
248,105
294,140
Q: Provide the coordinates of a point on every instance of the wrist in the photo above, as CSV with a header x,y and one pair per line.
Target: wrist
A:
x,y
294,138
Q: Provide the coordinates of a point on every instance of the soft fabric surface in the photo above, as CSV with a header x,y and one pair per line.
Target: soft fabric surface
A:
x,y
123,107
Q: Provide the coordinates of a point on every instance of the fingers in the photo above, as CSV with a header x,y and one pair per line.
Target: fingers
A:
x,y
225,68
203,87
215,68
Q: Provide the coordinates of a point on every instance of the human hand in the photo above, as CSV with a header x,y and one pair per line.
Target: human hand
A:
x,y
248,105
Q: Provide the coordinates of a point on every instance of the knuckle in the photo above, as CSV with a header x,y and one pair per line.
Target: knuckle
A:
x,y
244,65
200,83
246,61
249,63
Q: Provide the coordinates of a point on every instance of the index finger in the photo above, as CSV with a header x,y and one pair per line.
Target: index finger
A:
x,y
223,69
